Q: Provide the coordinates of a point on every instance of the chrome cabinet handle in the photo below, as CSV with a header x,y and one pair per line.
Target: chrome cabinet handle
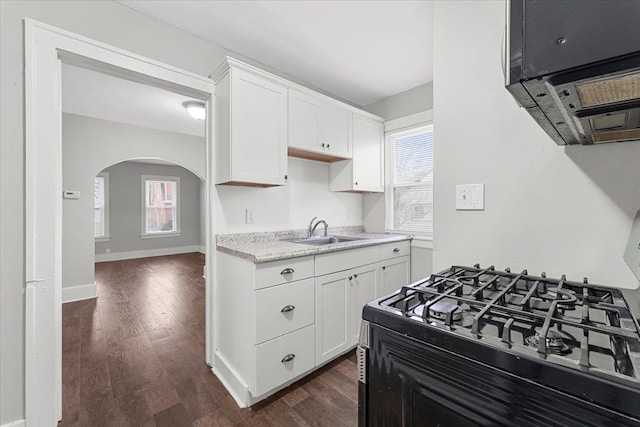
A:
x,y
287,271
287,308
396,250
328,145
288,358
323,145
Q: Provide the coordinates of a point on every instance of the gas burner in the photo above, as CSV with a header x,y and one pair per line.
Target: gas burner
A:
x,y
555,342
442,308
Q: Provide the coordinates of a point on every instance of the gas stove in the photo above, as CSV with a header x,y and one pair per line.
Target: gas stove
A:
x,y
553,343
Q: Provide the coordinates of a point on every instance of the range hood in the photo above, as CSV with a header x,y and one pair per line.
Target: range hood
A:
x,y
575,67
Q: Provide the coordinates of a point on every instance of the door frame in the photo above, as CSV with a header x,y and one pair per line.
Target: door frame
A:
x,y
45,47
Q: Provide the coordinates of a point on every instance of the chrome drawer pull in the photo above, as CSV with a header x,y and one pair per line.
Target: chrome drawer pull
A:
x,y
286,271
288,358
287,308
396,250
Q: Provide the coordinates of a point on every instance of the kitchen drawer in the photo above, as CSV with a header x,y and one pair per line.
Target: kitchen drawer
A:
x,y
344,260
271,368
283,271
395,250
297,299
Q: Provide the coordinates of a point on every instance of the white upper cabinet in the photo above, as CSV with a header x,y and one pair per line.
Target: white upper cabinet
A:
x,y
318,129
365,172
251,130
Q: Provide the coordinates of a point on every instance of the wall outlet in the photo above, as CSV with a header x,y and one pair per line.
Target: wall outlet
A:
x,y
107,251
250,216
71,194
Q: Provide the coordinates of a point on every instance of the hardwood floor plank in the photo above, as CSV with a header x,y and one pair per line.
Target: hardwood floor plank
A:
x,y
174,416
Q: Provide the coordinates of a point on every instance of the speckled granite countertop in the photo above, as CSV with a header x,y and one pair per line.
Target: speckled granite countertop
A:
x,y
272,246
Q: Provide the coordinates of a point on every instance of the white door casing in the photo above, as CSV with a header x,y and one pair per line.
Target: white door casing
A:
x,y
44,46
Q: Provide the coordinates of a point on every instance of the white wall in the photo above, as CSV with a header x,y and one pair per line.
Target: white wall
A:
x,y
125,209
288,207
548,208
411,101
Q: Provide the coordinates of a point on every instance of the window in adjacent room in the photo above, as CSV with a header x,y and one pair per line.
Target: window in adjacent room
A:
x,y
410,181
101,207
161,206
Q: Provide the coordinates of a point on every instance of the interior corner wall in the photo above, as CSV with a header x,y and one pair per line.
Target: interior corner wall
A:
x,y
126,212
562,210
415,100
90,145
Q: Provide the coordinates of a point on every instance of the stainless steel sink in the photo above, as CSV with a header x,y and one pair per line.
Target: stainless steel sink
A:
x,y
321,241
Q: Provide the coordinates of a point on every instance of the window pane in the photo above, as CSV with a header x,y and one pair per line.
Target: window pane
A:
x,y
161,219
412,158
161,193
98,205
413,209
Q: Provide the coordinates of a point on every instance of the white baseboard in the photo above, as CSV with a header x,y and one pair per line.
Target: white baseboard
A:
x,y
17,423
118,256
79,292
237,388
203,250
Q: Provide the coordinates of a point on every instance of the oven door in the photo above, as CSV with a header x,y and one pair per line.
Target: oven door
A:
x,y
412,383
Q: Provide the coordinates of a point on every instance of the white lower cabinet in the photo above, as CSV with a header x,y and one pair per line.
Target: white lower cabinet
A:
x,y
332,315
394,274
282,359
339,300
276,321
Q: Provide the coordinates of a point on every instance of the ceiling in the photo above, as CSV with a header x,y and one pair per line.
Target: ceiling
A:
x,y
102,96
360,51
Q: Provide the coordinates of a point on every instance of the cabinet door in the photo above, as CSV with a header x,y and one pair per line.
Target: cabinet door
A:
x,y
332,315
368,148
258,129
364,283
304,121
394,274
335,131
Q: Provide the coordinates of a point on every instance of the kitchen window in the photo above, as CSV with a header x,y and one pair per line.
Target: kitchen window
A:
x,y
409,191
161,206
101,207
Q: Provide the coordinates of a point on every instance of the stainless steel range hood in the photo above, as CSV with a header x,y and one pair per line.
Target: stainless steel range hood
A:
x,y
575,67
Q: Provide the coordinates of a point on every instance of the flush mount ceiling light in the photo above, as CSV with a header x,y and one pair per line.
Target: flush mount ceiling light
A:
x,y
195,109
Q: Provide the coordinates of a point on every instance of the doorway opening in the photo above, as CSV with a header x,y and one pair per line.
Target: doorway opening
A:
x,y
46,49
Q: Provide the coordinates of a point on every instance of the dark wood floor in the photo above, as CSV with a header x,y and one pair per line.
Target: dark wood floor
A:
x,y
135,357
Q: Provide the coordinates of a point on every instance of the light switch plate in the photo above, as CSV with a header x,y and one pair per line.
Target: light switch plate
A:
x,y
470,197
250,216
632,253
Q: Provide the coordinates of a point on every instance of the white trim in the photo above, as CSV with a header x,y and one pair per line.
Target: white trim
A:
x,y
413,120
237,388
146,253
422,242
102,239
161,234
79,292
44,46
17,423
202,249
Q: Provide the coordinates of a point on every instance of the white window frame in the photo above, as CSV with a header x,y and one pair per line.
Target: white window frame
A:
x,y
394,129
158,234
106,235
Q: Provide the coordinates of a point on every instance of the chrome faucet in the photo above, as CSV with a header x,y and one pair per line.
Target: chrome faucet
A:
x,y
312,226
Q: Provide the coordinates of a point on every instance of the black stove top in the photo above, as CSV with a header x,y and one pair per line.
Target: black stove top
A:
x,y
574,325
